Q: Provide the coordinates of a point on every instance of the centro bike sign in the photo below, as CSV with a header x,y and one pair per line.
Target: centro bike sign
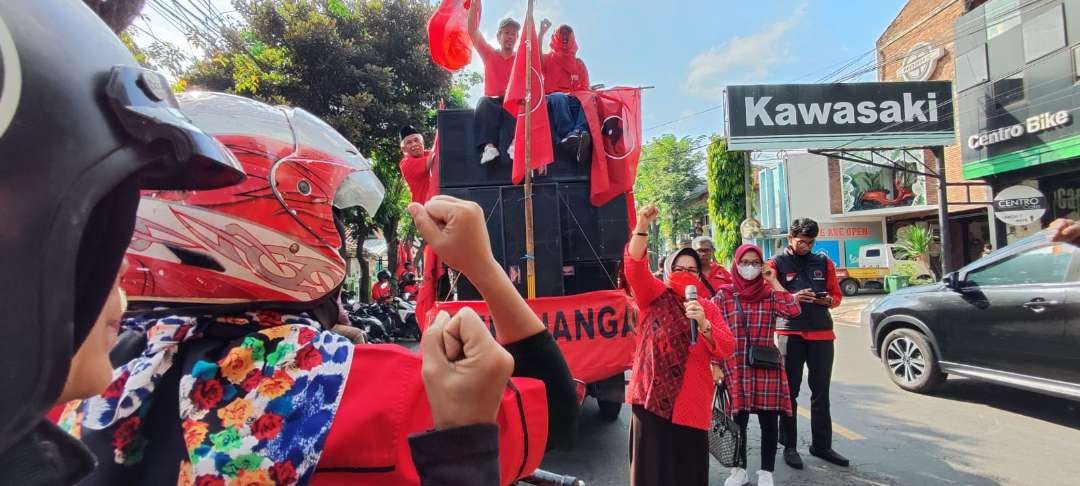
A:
x,y
840,116
1020,205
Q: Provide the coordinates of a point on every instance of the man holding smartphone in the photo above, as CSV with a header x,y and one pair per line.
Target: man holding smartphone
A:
x,y
808,339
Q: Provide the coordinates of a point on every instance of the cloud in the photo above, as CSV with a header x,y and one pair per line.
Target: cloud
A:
x,y
740,59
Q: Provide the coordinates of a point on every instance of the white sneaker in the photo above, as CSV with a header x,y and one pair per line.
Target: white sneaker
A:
x,y
764,478
738,477
490,153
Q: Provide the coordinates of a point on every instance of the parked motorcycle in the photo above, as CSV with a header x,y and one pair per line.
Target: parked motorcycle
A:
x,y
366,318
404,324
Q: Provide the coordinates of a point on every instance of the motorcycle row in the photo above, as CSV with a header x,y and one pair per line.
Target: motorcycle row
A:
x,y
387,322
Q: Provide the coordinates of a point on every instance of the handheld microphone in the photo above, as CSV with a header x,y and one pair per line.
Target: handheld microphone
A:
x,y
691,296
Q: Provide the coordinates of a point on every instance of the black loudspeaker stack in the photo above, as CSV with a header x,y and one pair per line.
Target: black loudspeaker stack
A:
x,y
578,247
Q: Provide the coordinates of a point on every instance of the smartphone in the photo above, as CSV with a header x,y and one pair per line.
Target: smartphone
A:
x,y
821,295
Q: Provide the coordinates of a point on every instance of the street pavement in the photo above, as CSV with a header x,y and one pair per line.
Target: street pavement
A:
x,y
970,433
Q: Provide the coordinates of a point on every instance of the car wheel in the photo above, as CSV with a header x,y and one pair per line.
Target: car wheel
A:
x,y
850,287
609,411
911,362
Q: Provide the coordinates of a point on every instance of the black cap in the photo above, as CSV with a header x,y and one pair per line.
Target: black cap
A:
x,y
408,130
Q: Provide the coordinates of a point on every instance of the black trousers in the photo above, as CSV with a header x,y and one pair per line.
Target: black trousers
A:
x,y
494,125
666,454
817,357
767,421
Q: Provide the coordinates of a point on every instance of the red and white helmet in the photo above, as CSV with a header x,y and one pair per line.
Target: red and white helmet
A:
x,y
271,238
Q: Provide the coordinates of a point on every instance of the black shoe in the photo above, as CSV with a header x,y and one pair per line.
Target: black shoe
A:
x,y
584,148
830,455
569,145
792,458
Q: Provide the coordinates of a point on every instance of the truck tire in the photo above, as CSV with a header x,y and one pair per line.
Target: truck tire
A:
x,y
911,362
609,411
849,287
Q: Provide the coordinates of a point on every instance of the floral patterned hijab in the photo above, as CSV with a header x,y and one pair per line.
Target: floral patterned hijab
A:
x,y
216,400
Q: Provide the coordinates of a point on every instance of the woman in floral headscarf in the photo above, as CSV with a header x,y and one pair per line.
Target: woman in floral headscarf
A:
x,y
750,305
671,385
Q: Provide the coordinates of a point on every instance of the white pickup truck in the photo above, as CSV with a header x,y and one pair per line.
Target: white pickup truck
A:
x,y
875,263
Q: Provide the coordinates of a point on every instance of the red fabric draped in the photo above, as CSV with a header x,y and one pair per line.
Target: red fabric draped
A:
x,y
614,117
514,102
448,35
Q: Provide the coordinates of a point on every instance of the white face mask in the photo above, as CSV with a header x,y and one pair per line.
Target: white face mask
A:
x,y
749,272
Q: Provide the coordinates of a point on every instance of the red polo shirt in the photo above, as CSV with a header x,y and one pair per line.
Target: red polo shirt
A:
x,y
496,70
414,171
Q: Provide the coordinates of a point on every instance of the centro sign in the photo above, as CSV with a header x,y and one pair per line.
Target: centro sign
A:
x,y
1020,205
1036,124
840,115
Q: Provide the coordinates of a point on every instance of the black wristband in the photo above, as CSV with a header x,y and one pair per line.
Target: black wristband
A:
x,y
642,234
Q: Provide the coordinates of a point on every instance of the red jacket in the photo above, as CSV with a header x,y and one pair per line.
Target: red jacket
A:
x,y
380,292
693,399
718,276
368,441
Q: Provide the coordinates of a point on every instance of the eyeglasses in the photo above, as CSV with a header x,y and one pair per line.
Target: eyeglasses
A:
x,y
693,270
752,264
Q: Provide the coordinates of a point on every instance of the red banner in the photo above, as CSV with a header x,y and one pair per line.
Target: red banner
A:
x,y
595,331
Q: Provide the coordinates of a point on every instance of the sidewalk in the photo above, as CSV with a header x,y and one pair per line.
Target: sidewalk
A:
x,y
851,307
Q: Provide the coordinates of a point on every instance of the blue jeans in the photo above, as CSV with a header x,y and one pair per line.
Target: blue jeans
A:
x,y
566,116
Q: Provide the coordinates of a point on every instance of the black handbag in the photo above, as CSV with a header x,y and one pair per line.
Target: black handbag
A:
x,y
724,434
762,357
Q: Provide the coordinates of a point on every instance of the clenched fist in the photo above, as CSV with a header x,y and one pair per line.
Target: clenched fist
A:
x,y
457,232
645,217
465,370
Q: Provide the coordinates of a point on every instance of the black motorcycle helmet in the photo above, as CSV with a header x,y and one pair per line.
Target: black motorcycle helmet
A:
x,y
383,275
82,129
409,278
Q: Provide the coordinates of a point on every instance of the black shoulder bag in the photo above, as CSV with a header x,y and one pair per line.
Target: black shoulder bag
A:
x,y
763,357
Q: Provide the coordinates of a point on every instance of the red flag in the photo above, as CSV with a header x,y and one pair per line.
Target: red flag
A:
x,y
514,102
425,300
448,35
615,115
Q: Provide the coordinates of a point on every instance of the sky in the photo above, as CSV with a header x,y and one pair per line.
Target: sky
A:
x,y
690,49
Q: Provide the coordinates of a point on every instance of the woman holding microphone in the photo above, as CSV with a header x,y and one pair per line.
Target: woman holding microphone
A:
x,y
671,386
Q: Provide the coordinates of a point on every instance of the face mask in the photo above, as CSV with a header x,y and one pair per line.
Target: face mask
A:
x,y
749,272
678,281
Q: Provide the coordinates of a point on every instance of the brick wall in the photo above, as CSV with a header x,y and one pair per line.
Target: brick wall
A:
x,y
929,21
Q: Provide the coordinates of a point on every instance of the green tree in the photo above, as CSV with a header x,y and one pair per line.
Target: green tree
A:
x,y
669,173
363,66
727,195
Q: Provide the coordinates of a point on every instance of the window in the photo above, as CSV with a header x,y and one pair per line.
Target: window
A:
x,y
1043,34
873,253
971,68
1009,89
1045,265
1001,16
1076,62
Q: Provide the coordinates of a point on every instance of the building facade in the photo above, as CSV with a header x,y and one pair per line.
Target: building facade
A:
x,y
1018,65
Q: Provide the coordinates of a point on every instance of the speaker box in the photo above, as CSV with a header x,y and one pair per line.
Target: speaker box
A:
x,y
590,233
546,237
459,157
582,277
490,199
565,169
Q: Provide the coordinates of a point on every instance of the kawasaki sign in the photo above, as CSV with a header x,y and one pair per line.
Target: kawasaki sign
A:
x,y
840,116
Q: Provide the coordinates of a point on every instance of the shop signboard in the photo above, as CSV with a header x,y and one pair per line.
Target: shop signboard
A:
x,y
1020,205
840,116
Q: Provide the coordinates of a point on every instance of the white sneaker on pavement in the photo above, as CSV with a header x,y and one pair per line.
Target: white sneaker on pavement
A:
x,y
738,477
764,478
490,153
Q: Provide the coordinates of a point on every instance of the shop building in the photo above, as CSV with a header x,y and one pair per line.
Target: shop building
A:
x,y
919,45
1018,66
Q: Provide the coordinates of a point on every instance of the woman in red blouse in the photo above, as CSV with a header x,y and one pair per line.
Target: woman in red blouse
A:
x,y
671,386
750,305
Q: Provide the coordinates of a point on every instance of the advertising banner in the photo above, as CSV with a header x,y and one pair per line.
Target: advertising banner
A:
x,y
840,116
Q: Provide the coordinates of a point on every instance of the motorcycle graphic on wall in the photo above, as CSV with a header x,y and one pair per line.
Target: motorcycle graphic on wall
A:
x,y
867,187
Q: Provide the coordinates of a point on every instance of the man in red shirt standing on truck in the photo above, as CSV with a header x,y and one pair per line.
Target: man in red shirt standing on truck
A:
x,y
808,339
